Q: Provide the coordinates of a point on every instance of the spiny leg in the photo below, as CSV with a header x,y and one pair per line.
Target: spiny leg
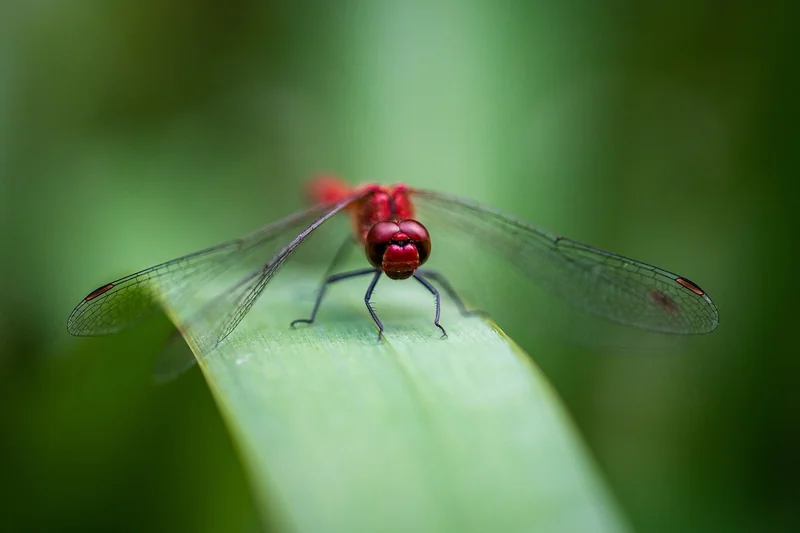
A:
x,y
334,279
451,292
428,285
367,298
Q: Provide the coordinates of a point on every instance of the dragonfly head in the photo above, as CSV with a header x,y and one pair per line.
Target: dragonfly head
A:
x,y
398,248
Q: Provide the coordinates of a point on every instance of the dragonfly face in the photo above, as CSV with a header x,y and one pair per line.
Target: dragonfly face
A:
x,y
398,248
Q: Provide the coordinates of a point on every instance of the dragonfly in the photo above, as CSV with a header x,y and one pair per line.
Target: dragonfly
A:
x,y
387,223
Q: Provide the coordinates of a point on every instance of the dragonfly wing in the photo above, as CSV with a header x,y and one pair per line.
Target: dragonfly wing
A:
x,y
126,301
220,316
601,283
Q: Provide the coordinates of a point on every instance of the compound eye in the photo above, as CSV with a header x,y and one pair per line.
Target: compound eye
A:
x,y
417,234
378,238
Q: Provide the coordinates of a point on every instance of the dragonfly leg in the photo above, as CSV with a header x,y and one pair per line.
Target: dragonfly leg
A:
x,y
367,298
334,279
428,285
451,292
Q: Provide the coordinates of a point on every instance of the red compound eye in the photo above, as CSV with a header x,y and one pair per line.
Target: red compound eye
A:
x,y
418,234
378,239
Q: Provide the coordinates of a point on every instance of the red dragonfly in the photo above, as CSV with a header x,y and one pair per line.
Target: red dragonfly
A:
x,y
397,245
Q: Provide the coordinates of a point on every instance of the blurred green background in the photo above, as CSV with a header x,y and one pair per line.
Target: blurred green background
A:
x,y
132,132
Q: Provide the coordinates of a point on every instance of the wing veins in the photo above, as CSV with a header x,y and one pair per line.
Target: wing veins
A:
x,y
624,280
240,298
134,293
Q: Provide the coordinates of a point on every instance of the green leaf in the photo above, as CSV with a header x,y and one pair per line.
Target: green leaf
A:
x,y
340,432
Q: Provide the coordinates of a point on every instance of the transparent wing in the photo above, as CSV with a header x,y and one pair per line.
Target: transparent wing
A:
x,y
595,281
126,301
220,316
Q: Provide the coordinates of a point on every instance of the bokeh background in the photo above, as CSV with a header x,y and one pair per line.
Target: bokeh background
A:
x,y
132,132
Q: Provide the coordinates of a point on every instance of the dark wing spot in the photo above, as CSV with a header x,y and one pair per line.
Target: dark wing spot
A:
x,y
663,301
692,286
98,291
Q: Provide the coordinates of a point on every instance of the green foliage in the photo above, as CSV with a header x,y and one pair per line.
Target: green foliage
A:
x,y
340,432
133,132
